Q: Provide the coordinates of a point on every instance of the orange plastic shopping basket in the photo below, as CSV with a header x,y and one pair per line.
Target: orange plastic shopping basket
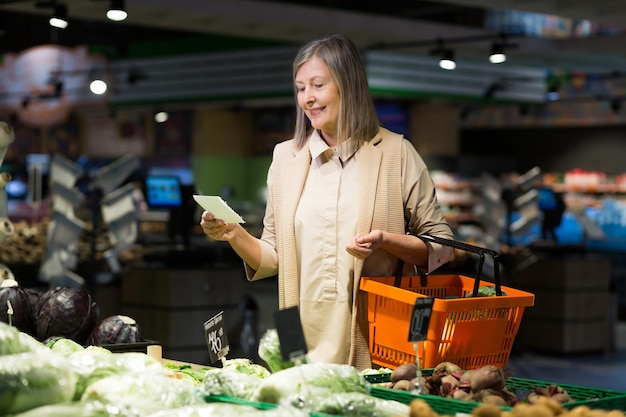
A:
x,y
469,331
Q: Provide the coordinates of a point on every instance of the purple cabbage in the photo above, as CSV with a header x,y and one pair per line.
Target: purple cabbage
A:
x,y
66,312
15,307
115,329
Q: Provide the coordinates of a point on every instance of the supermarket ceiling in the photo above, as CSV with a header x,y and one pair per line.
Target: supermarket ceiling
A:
x,y
405,26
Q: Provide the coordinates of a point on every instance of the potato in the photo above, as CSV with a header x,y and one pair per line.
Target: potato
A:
x,y
579,411
553,404
486,410
420,408
447,368
406,371
404,385
488,376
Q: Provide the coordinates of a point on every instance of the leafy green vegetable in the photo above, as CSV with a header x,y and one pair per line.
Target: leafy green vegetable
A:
x,y
14,341
357,404
269,351
95,363
195,375
63,345
227,381
486,291
303,382
32,379
246,366
145,392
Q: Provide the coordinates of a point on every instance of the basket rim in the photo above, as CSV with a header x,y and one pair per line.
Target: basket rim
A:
x,y
514,297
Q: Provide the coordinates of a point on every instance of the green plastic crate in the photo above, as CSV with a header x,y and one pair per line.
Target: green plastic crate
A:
x,y
604,399
255,404
441,405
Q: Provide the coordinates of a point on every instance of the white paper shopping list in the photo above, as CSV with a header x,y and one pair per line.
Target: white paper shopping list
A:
x,y
220,209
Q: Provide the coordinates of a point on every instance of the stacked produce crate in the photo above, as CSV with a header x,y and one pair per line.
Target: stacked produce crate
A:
x,y
572,305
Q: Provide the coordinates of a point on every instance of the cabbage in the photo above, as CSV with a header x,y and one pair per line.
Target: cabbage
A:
x,y
309,380
238,378
95,363
246,366
15,307
115,329
227,381
269,351
67,312
357,404
63,345
143,392
34,295
32,379
14,341
186,371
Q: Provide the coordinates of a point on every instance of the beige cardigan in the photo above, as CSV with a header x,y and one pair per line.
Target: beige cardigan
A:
x,y
380,176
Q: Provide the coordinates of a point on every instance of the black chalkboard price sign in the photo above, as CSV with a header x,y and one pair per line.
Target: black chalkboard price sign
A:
x,y
420,318
290,334
216,338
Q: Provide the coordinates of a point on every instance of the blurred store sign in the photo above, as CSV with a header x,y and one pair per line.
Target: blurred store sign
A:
x,y
42,84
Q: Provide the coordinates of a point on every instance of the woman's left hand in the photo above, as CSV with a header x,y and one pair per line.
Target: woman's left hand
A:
x,y
362,246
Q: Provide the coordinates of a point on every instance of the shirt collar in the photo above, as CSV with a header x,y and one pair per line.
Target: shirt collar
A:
x,y
317,146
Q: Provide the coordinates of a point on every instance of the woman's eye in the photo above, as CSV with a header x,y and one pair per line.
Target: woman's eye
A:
x,y
318,85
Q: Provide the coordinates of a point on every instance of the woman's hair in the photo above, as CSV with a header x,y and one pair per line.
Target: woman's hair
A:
x,y
357,115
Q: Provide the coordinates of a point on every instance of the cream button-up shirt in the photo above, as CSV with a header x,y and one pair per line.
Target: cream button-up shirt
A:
x,y
325,223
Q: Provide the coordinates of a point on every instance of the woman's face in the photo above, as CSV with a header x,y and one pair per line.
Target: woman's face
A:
x,y
318,96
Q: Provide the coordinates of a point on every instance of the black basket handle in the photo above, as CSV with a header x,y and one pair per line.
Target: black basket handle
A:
x,y
468,248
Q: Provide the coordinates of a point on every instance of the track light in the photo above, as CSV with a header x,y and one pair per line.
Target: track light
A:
x,y
98,86
161,116
117,11
447,61
497,54
59,16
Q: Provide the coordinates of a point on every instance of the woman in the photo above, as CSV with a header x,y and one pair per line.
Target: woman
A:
x,y
343,196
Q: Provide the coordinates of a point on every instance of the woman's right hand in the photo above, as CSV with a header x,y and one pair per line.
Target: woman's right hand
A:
x,y
216,229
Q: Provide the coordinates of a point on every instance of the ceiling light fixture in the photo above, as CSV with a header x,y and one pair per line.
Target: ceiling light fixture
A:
x,y
98,86
161,116
59,16
447,61
117,11
497,53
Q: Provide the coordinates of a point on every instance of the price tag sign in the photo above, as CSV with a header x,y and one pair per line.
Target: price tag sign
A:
x,y
420,318
290,333
216,338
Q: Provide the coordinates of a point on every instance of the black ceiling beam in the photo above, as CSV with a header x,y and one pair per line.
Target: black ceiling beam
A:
x,y
503,37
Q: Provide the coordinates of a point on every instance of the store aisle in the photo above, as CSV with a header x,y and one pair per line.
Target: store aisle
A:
x,y
598,370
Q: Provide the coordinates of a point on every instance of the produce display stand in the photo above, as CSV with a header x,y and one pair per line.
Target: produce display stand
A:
x,y
595,398
465,329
